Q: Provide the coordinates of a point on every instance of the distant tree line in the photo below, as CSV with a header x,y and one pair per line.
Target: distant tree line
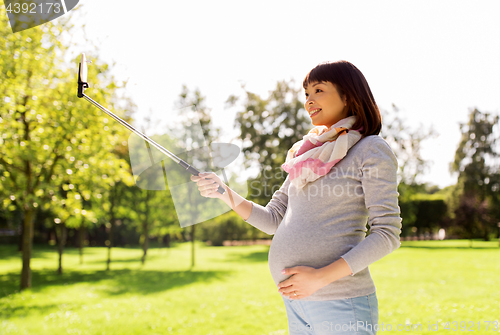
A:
x,y
470,208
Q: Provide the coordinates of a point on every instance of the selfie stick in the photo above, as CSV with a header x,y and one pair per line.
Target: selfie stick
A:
x,y
82,85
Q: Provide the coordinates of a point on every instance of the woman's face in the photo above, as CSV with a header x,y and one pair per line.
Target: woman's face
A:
x,y
324,104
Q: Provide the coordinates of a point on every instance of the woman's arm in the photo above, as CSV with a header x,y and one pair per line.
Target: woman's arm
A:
x,y
380,187
266,219
208,183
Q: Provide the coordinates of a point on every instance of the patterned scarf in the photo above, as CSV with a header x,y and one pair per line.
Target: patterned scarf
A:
x,y
322,148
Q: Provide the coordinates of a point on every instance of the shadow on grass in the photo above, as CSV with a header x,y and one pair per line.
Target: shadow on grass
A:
x,y
11,311
258,256
10,252
113,282
104,260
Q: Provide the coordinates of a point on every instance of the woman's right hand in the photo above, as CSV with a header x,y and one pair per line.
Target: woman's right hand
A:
x,y
208,184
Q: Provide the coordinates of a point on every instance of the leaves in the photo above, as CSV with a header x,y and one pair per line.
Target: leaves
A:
x,y
477,155
406,143
56,149
476,201
269,127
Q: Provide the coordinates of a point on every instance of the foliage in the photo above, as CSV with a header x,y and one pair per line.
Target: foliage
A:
x,y
472,218
228,227
56,151
476,204
153,213
407,144
268,128
477,155
431,214
423,212
194,137
195,101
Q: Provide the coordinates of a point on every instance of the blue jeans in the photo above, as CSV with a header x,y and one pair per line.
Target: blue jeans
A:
x,y
344,316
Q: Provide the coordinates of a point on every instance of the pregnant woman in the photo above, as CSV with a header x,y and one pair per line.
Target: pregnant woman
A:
x,y
341,183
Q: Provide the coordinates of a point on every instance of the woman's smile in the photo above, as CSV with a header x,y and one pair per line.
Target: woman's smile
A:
x,y
324,104
314,111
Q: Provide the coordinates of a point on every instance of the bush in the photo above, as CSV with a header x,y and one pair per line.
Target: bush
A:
x,y
226,227
424,212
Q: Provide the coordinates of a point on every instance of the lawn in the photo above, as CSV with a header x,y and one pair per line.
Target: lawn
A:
x,y
230,291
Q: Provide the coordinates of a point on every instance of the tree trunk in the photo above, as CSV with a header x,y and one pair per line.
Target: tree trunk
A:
x,y
486,236
192,245
167,240
109,258
112,199
81,239
110,242
145,244
192,232
29,219
145,229
60,245
21,239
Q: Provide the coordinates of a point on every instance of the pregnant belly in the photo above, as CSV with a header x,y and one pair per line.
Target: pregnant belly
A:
x,y
307,247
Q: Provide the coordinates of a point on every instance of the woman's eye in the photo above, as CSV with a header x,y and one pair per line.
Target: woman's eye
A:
x,y
318,90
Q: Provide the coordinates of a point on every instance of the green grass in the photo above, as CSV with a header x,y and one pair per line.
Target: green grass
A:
x,y
440,281
230,290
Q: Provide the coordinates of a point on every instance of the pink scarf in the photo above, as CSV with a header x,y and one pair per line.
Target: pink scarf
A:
x,y
322,148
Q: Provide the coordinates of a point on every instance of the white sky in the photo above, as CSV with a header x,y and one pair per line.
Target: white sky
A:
x,y
433,59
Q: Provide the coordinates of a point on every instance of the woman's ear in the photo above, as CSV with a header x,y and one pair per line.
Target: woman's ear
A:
x,y
347,108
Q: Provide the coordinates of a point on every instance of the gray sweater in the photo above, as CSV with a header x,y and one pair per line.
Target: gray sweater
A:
x,y
327,219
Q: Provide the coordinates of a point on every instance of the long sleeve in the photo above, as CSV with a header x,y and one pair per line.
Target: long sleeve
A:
x,y
268,218
379,182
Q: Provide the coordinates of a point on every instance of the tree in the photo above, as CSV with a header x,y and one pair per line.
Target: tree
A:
x,y
477,165
268,128
406,144
431,213
228,226
151,200
195,135
46,144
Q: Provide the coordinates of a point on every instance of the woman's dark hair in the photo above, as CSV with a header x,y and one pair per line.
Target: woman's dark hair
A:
x,y
350,83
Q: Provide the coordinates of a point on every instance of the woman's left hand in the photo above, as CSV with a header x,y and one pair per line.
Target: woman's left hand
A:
x,y
303,282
